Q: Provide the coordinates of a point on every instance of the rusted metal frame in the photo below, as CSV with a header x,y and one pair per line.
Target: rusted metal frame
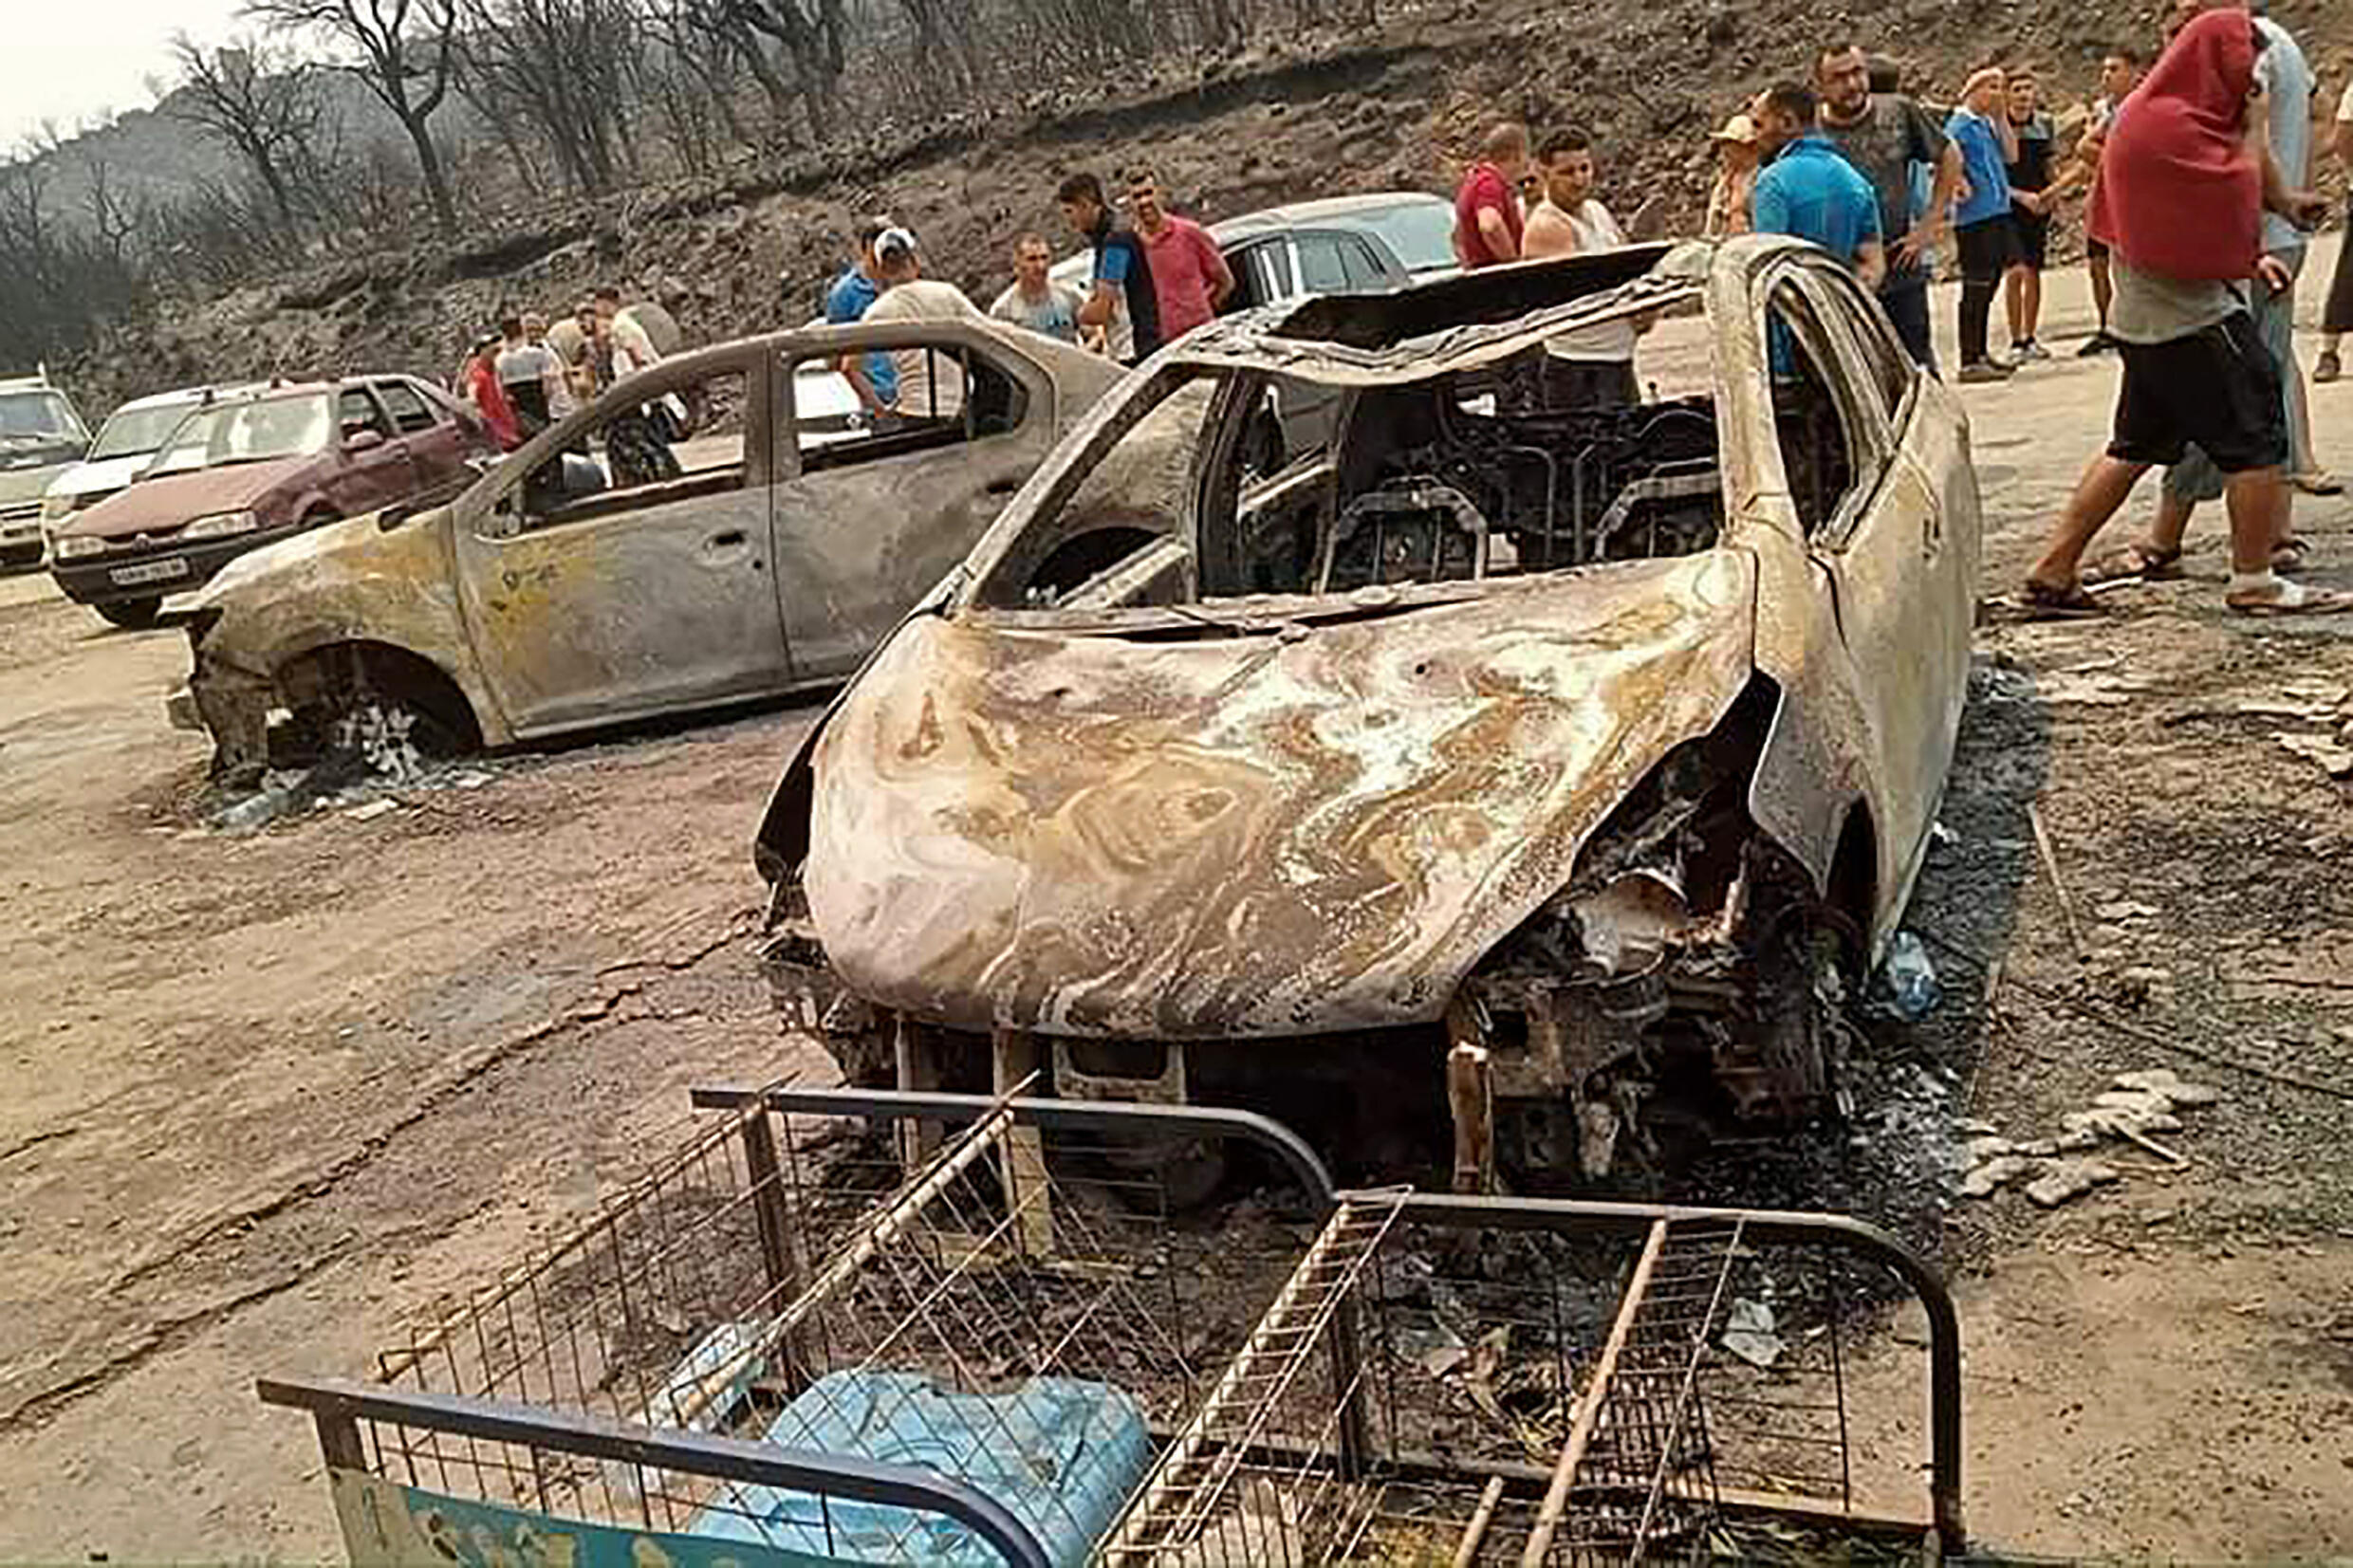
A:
x,y
1855,1237
1559,1214
1555,1506
338,1404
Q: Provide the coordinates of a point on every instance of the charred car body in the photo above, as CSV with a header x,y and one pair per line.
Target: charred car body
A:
x,y
1552,755
683,541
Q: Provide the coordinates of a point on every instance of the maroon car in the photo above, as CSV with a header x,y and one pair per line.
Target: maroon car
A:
x,y
243,471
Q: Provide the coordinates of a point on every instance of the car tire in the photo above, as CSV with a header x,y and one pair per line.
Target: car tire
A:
x,y
132,615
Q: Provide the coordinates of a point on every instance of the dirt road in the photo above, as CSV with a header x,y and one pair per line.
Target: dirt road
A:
x,y
267,1097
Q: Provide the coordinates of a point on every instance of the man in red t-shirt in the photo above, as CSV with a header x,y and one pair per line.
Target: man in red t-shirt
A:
x,y
1487,208
1189,277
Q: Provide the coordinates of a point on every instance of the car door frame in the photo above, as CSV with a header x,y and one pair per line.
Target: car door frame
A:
x,y
1849,731
490,515
806,573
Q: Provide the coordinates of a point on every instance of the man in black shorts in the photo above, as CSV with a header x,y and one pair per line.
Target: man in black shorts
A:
x,y
2032,199
2196,373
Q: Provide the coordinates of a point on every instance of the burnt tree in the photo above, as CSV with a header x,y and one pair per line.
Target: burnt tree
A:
x,y
255,101
407,53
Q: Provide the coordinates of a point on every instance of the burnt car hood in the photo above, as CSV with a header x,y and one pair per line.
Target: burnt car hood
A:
x,y
154,505
1319,827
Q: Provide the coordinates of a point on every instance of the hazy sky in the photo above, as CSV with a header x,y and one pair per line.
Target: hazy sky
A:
x,y
67,59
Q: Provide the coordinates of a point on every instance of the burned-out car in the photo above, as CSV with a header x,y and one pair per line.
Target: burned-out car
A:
x,y
1570,764
683,541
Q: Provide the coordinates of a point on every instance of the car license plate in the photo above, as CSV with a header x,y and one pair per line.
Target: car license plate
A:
x,y
148,571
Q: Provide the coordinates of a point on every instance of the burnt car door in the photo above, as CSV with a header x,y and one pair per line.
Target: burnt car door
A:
x,y
865,524
372,467
618,565
1901,580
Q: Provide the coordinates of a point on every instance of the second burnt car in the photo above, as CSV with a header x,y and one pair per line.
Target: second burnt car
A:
x,y
1564,765
246,469
683,541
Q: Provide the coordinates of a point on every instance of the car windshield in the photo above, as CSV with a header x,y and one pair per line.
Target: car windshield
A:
x,y
1419,233
38,419
249,433
133,430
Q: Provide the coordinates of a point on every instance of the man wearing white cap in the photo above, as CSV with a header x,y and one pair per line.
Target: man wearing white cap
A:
x,y
1729,201
931,383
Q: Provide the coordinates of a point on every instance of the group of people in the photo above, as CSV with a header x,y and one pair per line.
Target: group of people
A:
x,y
2198,217
1149,280
520,383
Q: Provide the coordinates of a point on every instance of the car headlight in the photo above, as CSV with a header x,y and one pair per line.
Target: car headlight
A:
x,y
55,507
221,523
69,546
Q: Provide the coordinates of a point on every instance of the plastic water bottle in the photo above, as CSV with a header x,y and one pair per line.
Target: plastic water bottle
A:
x,y
1909,978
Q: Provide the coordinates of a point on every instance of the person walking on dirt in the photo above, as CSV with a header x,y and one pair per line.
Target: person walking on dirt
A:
x,y
2337,315
1592,367
2182,203
1810,189
1883,136
1729,198
853,292
1189,275
1980,129
1488,220
2034,198
1122,305
1033,299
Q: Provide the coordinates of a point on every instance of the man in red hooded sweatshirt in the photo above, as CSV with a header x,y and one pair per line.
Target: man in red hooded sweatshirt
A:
x,y
2181,207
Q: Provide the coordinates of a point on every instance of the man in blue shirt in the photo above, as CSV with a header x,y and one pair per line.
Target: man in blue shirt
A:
x,y
1982,230
874,378
1810,189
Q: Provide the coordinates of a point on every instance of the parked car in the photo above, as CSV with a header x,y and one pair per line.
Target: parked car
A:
x,y
609,571
1559,767
40,436
247,470
127,443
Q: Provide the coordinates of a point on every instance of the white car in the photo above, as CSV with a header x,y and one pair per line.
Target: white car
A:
x,y
126,445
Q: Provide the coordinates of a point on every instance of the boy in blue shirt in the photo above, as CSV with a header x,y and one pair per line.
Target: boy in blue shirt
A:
x,y
1983,232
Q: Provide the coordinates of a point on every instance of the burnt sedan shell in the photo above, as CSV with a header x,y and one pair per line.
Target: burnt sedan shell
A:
x,y
1220,785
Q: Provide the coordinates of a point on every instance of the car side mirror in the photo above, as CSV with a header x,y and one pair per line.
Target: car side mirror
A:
x,y
363,440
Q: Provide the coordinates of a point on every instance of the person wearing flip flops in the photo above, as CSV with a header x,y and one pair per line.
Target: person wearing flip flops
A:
x,y
2183,190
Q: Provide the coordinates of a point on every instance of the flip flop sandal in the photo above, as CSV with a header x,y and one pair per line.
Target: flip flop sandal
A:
x,y
2289,557
2136,563
2318,484
2042,601
2292,600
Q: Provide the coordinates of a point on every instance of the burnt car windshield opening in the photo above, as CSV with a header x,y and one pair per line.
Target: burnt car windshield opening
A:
x,y
1510,469
255,432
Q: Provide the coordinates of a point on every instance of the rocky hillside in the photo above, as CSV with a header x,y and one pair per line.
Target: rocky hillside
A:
x,y
1313,116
